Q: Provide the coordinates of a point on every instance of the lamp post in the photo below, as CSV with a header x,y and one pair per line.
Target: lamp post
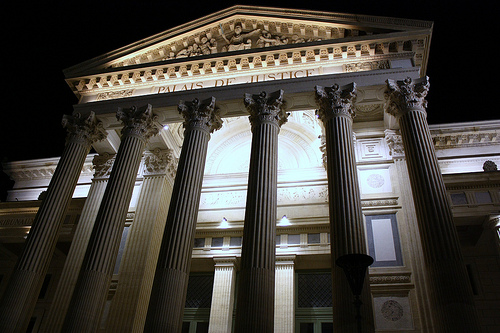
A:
x,y
354,266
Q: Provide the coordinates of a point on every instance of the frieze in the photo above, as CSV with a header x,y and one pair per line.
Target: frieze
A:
x,y
200,72
475,139
114,94
16,222
390,278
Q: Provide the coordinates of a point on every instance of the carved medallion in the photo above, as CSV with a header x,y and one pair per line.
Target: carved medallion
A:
x,y
392,310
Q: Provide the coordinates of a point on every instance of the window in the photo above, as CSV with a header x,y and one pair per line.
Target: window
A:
x,y
458,198
198,302
314,290
199,242
199,292
217,241
383,240
313,313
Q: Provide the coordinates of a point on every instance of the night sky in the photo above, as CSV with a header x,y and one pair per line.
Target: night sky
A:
x,y
41,40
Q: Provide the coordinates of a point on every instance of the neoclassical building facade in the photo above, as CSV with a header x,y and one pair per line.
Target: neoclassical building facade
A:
x,y
213,175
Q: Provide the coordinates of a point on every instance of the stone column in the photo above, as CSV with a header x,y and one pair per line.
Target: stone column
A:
x,y
284,307
419,276
166,305
92,287
336,111
450,287
22,291
221,310
130,303
255,303
493,223
73,263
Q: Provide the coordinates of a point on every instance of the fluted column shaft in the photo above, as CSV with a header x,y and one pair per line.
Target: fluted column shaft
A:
x,y
493,223
221,309
73,263
166,304
22,291
284,313
346,219
419,270
450,287
255,304
92,287
129,307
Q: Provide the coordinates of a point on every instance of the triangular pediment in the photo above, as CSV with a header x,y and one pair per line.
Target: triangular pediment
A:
x,y
243,37
245,27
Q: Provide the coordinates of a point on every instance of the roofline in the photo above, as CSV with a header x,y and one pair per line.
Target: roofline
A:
x,y
332,17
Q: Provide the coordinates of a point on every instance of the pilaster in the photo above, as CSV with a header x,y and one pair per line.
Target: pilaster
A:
x,y
94,279
21,294
255,304
129,307
447,277
346,220
166,305
284,307
221,311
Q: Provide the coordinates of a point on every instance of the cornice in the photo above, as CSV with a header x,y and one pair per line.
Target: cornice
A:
x,y
245,13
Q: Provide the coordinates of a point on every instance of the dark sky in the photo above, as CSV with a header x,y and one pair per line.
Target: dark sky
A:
x,y
43,39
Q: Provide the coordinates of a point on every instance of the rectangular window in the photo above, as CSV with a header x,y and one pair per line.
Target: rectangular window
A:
x,y
199,242
235,241
458,198
199,291
217,241
383,240
293,239
313,239
314,290
483,197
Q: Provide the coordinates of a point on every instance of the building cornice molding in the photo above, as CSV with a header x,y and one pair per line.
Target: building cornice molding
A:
x,y
251,17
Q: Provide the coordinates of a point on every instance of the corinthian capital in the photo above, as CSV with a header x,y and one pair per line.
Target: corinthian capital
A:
x,y
407,95
335,101
266,108
83,129
200,114
159,162
139,122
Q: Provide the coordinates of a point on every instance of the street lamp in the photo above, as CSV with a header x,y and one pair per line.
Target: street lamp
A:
x,y
354,266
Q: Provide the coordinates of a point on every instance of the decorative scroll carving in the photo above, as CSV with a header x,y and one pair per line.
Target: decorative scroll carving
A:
x,y
335,101
83,129
140,122
407,95
200,114
395,143
266,108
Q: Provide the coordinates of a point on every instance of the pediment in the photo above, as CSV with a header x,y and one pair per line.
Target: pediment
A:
x,y
243,37
245,27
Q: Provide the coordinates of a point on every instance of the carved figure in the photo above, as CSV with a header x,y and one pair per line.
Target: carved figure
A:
x,y
239,41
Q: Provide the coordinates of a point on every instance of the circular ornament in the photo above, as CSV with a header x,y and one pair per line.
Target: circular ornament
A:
x,y
392,310
375,180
